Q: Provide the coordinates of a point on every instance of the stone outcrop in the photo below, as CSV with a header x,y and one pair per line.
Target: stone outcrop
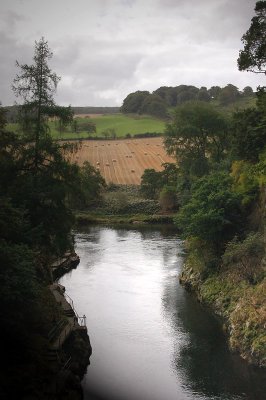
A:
x,y
62,265
69,344
242,307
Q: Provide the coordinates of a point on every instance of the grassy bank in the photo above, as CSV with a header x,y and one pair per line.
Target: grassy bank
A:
x,y
84,218
123,204
234,284
240,304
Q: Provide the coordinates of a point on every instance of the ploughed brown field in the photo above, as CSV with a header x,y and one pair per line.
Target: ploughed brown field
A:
x,y
123,161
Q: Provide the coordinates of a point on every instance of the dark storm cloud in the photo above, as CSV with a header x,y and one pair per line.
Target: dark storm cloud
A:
x,y
104,49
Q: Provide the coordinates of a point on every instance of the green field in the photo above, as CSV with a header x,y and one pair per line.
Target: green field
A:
x,y
122,125
133,124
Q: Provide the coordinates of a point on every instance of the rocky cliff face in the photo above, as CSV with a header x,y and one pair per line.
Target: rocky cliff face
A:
x,y
77,350
240,301
69,344
242,307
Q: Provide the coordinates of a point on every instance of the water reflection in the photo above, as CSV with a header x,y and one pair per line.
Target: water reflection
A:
x,y
151,340
202,360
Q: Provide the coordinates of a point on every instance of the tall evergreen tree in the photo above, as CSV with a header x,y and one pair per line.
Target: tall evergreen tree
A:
x,y
36,84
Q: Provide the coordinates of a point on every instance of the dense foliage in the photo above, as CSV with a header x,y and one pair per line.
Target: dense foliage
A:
x,y
197,135
218,177
36,178
253,57
220,173
160,102
222,215
152,182
213,213
249,131
36,184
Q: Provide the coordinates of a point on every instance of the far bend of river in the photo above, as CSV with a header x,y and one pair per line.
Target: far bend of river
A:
x,y
151,339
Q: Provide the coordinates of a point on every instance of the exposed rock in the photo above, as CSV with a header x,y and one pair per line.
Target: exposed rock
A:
x,y
242,307
75,348
78,347
61,266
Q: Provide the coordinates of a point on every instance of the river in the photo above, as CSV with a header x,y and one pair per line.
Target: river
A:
x,y
151,339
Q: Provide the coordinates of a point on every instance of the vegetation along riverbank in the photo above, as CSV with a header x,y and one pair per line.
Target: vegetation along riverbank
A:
x,y
207,176
219,188
216,188
48,344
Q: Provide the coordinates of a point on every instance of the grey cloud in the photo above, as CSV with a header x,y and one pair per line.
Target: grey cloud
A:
x,y
105,60
127,2
94,69
11,50
104,49
10,20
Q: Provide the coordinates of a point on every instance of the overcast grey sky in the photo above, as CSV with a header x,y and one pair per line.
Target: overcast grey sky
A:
x,y
105,49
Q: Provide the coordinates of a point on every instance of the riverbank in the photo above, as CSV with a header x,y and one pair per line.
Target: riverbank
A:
x,y
69,348
240,304
64,264
123,204
234,286
58,352
146,323
88,218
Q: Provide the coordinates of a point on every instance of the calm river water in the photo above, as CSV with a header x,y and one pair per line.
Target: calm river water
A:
x,y
151,340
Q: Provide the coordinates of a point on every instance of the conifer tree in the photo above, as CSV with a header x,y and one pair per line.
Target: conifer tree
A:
x,y
36,84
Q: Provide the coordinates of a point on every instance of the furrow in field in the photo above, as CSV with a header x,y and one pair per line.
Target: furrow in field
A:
x,y
130,164
149,162
157,156
116,148
115,176
123,161
119,153
140,162
132,167
120,163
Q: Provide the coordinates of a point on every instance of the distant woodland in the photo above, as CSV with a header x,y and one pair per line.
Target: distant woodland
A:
x,y
12,111
160,102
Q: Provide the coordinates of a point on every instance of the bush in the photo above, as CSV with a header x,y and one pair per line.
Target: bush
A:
x,y
245,181
168,199
120,203
213,213
151,183
245,256
147,135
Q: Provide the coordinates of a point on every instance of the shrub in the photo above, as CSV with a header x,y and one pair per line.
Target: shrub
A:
x,y
245,256
245,181
168,199
213,212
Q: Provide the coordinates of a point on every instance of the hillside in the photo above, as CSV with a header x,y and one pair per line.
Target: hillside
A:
x,y
112,125
118,125
237,291
123,161
95,110
161,101
12,111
